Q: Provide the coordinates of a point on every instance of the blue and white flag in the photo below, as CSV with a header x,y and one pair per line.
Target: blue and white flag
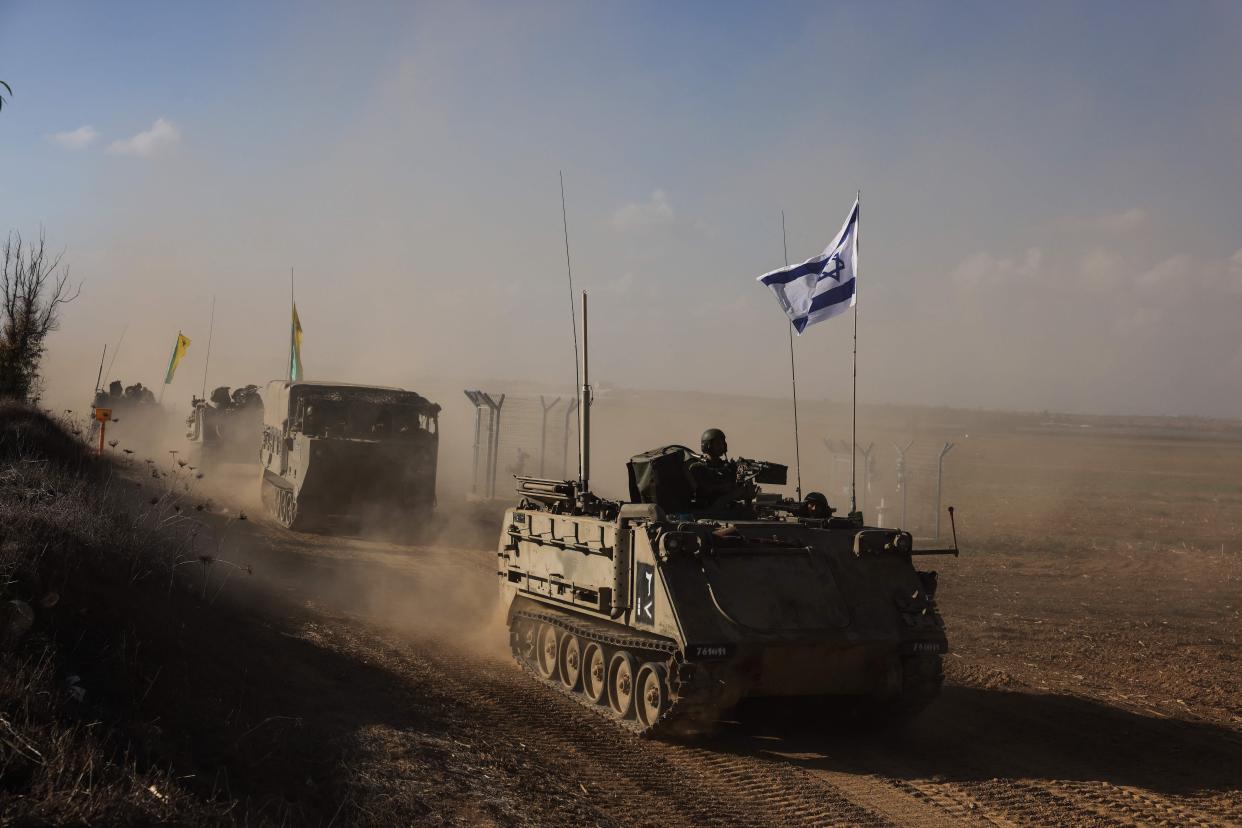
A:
x,y
823,286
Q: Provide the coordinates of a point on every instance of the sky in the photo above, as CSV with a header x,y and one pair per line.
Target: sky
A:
x,y
1050,209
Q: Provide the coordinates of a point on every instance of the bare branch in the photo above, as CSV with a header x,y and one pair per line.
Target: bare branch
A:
x,y
34,285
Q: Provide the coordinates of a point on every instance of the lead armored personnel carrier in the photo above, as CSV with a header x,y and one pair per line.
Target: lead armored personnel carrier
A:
x,y
662,615
663,610
335,452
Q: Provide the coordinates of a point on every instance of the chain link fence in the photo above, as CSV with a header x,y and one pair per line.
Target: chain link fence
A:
x,y
899,485
521,434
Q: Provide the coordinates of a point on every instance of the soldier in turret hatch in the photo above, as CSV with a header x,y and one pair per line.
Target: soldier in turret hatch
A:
x,y
715,478
816,506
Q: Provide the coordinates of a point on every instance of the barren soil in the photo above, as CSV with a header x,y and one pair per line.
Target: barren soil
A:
x,y
1094,619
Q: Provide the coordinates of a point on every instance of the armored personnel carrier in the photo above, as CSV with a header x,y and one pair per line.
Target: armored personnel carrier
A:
x,y
226,428
336,452
661,615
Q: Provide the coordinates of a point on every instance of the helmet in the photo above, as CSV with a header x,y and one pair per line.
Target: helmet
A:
x,y
709,437
815,504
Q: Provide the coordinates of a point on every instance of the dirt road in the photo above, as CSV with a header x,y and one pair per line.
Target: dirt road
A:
x,y
1051,715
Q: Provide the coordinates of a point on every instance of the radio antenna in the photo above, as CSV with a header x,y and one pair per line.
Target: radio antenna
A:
x,y
108,374
573,318
793,379
99,376
211,327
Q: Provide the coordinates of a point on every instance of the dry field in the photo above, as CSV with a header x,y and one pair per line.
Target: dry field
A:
x,y
1094,618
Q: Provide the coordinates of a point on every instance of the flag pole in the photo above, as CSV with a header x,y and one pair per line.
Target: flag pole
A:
x,y
211,326
164,385
292,333
793,380
854,387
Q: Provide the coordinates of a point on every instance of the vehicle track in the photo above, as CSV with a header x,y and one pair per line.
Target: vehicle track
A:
x,y
1010,765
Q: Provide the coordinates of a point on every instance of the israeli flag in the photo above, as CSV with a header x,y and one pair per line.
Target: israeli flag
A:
x,y
823,286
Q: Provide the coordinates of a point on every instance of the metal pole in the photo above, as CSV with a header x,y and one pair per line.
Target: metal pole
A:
x,y
211,327
491,430
866,453
99,376
496,450
569,413
793,381
543,429
473,396
108,374
904,491
939,482
293,304
902,483
854,387
570,272
584,409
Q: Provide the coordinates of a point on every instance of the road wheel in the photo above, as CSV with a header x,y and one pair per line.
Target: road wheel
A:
x,y
621,685
545,655
652,700
570,661
525,640
595,673
287,508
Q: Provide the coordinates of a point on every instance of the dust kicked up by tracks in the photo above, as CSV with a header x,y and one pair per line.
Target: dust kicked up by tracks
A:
x,y
456,732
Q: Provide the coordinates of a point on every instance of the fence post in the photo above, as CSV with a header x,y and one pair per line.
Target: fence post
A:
x,y
477,402
939,481
839,453
543,429
866,453
902,483
496,439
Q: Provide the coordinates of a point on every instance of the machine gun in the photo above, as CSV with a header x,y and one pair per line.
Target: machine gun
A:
x,y
761,472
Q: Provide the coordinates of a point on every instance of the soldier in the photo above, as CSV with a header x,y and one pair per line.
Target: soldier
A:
x,y
715,478
816,506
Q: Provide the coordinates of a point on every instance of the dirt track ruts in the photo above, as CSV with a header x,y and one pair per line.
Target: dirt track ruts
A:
x,y
979,756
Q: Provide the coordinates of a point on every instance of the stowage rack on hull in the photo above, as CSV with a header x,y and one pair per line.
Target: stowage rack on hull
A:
x,y
662,617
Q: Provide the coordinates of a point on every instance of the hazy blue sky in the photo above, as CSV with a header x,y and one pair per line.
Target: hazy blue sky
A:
x,y
1051,194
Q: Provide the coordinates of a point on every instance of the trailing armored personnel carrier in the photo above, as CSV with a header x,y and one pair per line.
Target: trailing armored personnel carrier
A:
x,y
225,429
334,452
662,615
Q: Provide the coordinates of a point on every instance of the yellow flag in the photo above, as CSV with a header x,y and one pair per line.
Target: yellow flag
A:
x,y
295,348
179,349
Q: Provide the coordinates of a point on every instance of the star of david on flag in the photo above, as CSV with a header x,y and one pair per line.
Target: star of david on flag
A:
x,y
822,286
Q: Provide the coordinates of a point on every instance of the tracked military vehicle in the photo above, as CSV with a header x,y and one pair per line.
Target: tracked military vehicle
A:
x,y
336,454
664,610
227,428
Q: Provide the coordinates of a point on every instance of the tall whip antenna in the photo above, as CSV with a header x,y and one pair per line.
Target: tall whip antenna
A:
x,y
211,327
573,318
793,379
108,374
100,374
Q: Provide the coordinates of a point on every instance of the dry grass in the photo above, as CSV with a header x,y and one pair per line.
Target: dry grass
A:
x,y
139,695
